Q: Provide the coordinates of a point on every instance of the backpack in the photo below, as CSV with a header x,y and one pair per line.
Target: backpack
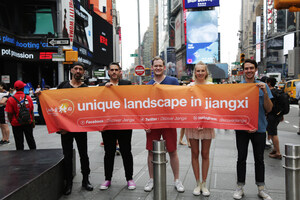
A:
x,y
281,102
24,115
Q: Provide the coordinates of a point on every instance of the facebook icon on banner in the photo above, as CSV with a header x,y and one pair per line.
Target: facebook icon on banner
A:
x,y
201,3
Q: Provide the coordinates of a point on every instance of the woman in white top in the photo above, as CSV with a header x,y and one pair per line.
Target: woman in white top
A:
x,y
204,135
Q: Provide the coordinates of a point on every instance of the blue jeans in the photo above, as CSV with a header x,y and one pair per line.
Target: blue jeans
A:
x,y
258,141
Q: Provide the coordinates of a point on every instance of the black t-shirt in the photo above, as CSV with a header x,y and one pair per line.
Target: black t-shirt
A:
x,y
66,84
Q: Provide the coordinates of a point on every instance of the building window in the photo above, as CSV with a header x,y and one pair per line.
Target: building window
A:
x,y
37,20
4,18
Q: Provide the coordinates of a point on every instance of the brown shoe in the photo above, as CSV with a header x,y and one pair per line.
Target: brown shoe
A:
x,y
276,156
272,152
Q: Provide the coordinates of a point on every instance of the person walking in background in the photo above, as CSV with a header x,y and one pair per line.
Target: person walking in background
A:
x,y
273,118
169,134
182,133
205,135
4,95
77,71
257,137
13,108
112,137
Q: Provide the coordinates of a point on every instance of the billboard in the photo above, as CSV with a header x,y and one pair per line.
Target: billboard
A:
x,y
202,37
103,40
201,3
68,22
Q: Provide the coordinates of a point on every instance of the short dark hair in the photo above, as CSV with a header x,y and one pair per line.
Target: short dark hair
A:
x,y
263,79
78,63
3,85
272,81
250,61
157,58
114,63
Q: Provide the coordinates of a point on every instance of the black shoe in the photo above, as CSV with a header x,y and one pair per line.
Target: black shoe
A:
x,y
68,189
87,185
298,133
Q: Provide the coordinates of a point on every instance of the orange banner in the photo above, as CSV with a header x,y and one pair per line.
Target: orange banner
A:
x,y
226,106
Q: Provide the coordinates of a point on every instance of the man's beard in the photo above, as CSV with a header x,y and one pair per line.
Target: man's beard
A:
x,y
77,77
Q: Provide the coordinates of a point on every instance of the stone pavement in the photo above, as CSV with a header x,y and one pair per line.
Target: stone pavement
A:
x,y
221,177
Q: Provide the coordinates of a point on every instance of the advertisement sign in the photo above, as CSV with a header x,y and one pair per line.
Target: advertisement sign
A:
x,y
103,40
201,3
258,34
68,21
5,78
222,106
24,44
202,37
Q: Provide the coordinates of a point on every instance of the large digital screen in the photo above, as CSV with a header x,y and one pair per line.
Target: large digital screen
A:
x,y
201,3
202,37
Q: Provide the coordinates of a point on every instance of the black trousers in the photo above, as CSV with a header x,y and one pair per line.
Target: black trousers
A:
x,y
19,132
67,145
258,141
110,139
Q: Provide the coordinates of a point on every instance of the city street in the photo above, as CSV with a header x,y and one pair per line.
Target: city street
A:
x,y
221,178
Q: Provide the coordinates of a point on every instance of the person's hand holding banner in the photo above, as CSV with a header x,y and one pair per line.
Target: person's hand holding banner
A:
x,y
226,106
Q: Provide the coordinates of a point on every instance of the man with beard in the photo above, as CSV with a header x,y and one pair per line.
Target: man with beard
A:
x,y
111,137
77,71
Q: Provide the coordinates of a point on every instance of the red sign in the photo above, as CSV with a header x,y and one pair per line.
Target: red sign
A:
x,y
139,70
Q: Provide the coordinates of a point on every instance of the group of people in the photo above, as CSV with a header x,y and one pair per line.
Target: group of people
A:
x,y
195,136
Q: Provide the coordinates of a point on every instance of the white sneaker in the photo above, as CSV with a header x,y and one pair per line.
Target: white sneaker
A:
x,y
268,142
238,193
204,190
149,186
197,189
263,194
178,185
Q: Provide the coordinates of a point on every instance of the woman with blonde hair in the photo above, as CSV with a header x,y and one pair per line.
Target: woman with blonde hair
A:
x,y
205,135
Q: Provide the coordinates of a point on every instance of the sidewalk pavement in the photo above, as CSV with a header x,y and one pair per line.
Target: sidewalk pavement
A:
x,y
221,176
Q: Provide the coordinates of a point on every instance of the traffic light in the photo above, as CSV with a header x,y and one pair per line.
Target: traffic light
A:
x,y
292,5
242,58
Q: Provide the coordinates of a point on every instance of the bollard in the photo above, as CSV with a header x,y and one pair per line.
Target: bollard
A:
x,y
159,170
292,171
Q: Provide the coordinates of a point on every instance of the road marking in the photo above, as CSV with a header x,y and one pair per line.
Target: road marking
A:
x,y
295,126
287,122
295,106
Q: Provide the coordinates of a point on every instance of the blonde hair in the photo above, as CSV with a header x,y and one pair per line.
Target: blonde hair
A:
x,y
200,64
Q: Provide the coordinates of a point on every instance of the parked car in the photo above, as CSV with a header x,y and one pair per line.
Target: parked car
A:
x,y
290,89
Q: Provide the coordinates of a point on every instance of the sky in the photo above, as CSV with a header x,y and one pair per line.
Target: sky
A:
x,y
229,15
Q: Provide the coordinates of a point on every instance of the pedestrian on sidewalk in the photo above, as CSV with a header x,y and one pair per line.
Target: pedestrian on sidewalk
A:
x,y
14,109
77,71
169,134
274,118
205,135
112,137
4,95
257,137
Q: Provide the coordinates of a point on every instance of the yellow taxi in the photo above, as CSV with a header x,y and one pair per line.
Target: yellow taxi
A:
x,y
290,89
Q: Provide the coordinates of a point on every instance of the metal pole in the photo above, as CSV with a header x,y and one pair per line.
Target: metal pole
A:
x,y
159,170
139,34
292,171
60,35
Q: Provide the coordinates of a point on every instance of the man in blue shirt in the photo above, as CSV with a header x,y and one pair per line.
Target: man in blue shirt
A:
x,y
298,97
169,134
257,137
